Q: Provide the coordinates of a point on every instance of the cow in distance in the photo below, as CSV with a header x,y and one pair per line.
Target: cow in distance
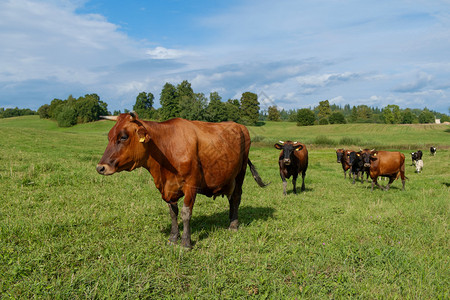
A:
x,y
292,161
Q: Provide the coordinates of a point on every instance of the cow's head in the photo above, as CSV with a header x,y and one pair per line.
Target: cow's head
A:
x,y
339,155
354,157
365,156
127,142
288,149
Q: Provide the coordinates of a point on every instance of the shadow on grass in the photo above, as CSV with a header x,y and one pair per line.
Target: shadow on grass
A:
x,y
299,192
447,184
208,223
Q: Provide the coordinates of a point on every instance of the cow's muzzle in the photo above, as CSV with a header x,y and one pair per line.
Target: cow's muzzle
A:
x,y
287,161
367,165
104,169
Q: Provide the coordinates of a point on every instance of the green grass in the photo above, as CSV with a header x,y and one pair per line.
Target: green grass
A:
x,y
67,232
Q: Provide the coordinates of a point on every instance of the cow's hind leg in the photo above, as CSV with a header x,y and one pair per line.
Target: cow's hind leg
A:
x,y
174,233
234,201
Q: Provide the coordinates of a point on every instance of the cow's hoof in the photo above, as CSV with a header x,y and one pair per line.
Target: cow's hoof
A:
x,y
234,225
186,243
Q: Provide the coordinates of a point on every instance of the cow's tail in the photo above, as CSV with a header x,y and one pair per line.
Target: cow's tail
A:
x,y
256,175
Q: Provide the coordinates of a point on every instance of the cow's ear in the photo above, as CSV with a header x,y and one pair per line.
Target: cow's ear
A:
x,y
143,135
298,147
374,155
278,146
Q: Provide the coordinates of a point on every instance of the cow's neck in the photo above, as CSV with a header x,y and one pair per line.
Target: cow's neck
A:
x,y
158,146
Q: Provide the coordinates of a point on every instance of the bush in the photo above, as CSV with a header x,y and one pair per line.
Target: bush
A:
x,y
67,117
349,141
323,121
324,141
305,117
337,118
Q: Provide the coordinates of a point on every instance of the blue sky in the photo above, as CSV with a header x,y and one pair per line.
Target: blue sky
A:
x,y
291,53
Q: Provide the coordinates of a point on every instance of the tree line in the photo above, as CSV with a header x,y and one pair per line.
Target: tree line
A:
x,y
181,101
15,112
325,113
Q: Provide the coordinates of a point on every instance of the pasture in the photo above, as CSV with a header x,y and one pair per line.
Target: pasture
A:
x,y
67,232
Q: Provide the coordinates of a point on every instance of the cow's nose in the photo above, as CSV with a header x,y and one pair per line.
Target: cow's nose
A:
x,y
367,165
287,161
101,169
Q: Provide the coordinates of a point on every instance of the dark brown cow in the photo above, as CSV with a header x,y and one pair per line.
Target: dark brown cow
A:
x,y
366,165
293,160
185,158
343,158
387,164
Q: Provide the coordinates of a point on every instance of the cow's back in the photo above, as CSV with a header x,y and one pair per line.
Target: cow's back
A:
x,y
388,163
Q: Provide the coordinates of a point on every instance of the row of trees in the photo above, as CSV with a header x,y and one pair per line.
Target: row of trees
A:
x,y
15,112
74,111
181,101
325,113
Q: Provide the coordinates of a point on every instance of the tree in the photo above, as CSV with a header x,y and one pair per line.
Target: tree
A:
x,y
249,108
144,105
88,108
408,117
67,117
324,110
274,114
426,116
216,110
305,117
391,114
43,111
192,108
169,102
337,118
232,108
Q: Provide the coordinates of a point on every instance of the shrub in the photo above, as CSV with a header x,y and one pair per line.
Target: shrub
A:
x,y
305,117
67,117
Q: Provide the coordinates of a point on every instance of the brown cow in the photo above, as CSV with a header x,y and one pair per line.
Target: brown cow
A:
x,y
185,158
293,159
387,164
343,158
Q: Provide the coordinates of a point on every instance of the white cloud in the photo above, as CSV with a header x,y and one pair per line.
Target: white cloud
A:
x,y
163,53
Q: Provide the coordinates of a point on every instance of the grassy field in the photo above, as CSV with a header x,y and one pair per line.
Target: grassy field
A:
x,y
67,232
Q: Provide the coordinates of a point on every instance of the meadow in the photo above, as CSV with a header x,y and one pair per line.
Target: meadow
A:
x,y
67,232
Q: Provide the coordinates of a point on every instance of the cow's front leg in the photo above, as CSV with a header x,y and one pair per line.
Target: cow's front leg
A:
x,y
294,183
186,214
391,180
174,233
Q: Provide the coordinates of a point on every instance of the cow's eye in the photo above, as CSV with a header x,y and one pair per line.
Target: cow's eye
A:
x,y
123,138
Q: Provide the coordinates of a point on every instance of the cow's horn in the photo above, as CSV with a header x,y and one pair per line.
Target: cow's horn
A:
x,y
281,142
111,118
295,142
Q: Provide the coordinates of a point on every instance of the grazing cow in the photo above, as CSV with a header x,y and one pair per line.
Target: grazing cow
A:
x,y
387,164
419,165
293,159
432,150
416,156
342,157
185,158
